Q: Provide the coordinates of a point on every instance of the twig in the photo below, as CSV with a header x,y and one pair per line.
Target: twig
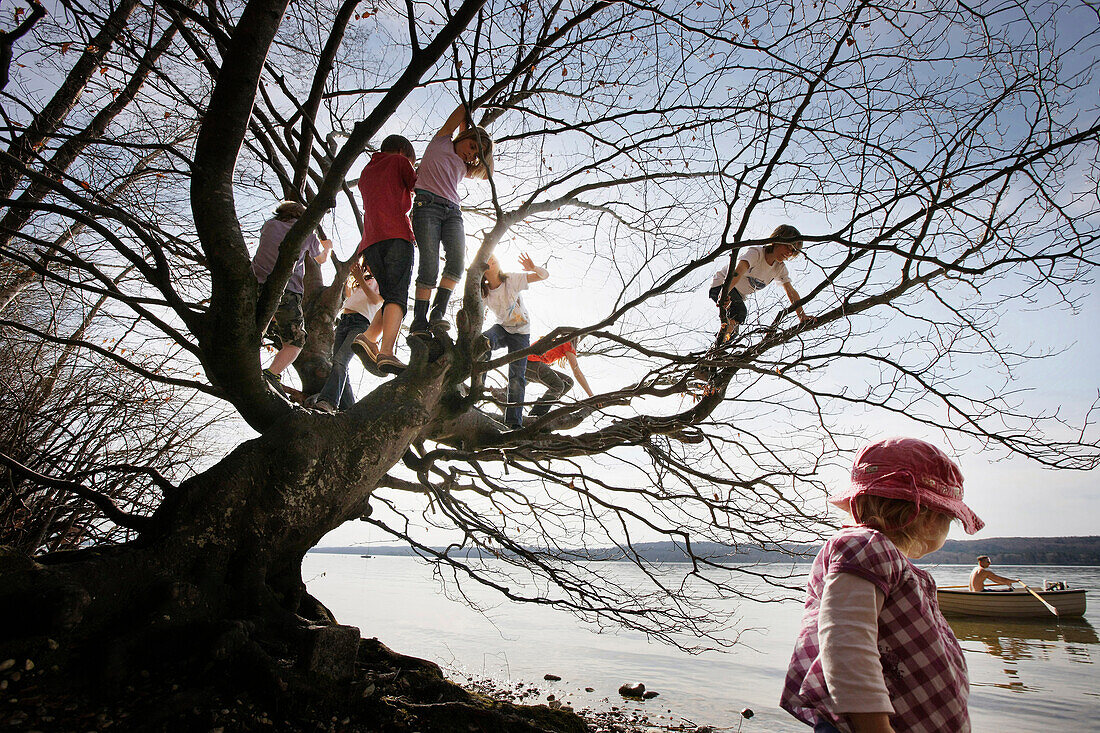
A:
x,y
102,502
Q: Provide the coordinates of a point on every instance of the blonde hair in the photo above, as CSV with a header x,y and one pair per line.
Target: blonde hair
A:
x,y
484,165
895,519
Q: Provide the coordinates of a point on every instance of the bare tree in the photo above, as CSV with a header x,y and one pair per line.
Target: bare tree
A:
x,y
937,160
75,416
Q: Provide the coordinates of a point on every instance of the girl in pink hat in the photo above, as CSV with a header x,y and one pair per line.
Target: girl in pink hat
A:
x,y
874,653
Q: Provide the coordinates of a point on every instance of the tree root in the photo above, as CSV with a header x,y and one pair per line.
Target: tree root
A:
x,y
238,680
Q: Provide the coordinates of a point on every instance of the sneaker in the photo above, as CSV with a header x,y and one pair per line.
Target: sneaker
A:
x,y
275,381
324,406
439,324
419,327
365,347
390,364
367,351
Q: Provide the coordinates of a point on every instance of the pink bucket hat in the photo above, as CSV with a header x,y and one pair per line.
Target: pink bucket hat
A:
x,y
910,469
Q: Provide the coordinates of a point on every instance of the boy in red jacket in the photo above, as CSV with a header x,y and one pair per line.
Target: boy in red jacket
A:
x,y
387,246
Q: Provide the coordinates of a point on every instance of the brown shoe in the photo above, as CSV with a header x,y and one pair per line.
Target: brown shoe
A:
x,y
389,364
367,352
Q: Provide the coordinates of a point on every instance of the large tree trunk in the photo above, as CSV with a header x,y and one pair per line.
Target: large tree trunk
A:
x,y
213,588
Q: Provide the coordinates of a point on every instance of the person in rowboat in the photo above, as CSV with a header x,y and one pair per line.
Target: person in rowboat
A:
x,y
982,575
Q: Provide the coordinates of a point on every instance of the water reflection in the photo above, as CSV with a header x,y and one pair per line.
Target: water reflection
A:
x,y
1022,640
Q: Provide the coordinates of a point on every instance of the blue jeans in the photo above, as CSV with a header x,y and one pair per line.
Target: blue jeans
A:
x,y
337,390
436,220
824,726
517,370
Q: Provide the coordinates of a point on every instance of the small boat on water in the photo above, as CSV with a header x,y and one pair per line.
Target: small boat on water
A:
x,y
1016,603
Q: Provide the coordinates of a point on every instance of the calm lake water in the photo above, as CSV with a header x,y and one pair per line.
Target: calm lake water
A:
x,y
1036,676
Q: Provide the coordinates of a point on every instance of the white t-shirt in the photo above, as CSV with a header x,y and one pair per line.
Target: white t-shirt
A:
x,y
358,302
507,305
759,274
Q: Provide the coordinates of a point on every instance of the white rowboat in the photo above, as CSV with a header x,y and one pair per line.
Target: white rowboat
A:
x,y
1017,603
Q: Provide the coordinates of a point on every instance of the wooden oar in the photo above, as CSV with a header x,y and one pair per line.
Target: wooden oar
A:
x,y
1039,598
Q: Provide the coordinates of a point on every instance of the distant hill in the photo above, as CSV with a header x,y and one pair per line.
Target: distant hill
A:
x,y
1021,551
1001,550
363,550
651,551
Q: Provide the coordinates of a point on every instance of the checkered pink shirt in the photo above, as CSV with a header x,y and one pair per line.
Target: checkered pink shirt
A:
x,y
922,663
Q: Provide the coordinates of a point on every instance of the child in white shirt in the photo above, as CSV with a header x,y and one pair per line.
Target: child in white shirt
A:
x,y
361,303
756,267
501,292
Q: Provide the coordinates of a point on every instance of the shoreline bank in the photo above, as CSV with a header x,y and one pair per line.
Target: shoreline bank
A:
x,y
610,715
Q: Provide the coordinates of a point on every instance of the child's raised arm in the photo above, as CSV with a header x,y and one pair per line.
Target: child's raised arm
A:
x,y
457,121
361,281
357,273
372,296
534,272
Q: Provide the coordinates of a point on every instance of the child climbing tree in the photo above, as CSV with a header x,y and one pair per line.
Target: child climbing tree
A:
x,y
142,157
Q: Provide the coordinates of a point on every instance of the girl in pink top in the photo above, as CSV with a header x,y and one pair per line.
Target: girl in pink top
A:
x,y
437,212
874,654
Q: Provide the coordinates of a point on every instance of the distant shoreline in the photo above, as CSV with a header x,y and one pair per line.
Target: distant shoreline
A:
x,y
1022,551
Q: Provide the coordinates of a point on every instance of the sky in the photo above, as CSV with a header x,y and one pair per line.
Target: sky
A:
x,y
1014,496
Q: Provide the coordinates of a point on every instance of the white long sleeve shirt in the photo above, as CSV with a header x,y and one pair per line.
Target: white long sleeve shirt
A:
x,y
848,632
